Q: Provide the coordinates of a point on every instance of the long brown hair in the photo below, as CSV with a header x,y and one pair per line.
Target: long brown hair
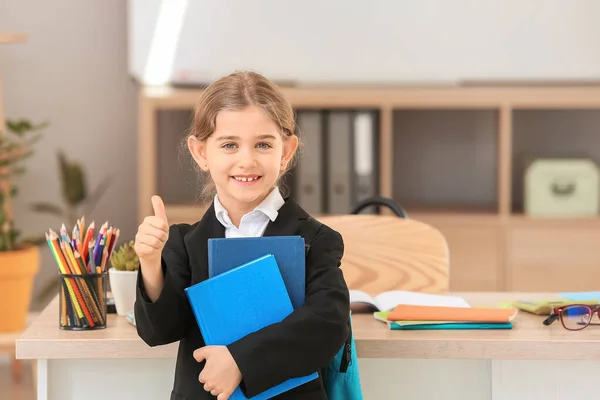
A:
x,y
237,91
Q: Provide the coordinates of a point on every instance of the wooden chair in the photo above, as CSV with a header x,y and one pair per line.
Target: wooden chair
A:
x,y
385,252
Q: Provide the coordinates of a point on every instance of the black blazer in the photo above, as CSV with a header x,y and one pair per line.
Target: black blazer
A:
x,y
306,341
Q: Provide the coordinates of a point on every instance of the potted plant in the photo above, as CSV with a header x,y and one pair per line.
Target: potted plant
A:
x,y
19,258
122,276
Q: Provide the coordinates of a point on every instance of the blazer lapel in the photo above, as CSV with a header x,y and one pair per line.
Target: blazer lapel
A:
x,y
289,220
196,243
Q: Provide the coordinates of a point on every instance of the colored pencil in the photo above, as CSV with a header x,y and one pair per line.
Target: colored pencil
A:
x,y
73,290
86,240
82,261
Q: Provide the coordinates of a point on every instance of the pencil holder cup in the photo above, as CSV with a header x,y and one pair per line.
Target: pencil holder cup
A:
x,y
82,301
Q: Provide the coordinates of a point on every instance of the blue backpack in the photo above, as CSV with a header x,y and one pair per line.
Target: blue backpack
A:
x,y
341,377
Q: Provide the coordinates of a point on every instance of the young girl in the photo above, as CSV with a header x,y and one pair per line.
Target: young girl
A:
x,y
243,137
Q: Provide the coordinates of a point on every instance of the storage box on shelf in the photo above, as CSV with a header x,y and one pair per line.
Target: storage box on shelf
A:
x,y
452,157
562,187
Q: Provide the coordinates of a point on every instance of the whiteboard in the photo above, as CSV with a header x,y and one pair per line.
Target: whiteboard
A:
x,y
370,41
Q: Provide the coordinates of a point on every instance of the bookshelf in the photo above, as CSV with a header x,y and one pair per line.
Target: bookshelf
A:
x,y
451,156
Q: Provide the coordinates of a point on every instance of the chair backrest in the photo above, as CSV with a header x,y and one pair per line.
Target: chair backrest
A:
x,y
384,252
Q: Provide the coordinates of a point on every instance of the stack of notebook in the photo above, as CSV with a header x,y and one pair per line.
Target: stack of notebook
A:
x,y
416,317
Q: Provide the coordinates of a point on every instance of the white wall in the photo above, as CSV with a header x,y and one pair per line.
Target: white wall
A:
x,y
378,41
72,73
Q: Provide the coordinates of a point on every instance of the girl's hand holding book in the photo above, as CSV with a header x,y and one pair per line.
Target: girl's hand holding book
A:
x,y
220,375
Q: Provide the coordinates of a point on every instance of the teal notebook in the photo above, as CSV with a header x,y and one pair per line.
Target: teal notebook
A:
x,y
240,301
396,327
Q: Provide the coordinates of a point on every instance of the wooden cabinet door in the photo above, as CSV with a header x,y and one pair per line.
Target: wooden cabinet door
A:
x,y
476,250
475,258
554,258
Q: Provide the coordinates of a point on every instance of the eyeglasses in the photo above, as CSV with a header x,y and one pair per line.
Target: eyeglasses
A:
x,y
574,317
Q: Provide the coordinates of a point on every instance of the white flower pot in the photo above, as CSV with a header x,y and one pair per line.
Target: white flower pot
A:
x,y
123,287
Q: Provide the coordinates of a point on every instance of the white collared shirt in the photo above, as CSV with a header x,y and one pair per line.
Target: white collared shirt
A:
x,y
254,223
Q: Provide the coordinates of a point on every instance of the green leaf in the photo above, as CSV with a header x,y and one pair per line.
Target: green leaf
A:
x,y
15,158
73,180
14,236
23,126
97,194
49,208
34,240
13,191
19,127
17,170
11,172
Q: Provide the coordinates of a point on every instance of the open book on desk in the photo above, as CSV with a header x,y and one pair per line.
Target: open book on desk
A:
x,y
387,301
241,301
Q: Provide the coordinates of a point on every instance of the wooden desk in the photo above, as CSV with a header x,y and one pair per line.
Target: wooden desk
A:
x,y
531,361
8,342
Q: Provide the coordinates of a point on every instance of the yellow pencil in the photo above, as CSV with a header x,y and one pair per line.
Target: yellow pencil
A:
x,y
63,308
70,258
62,266
81,227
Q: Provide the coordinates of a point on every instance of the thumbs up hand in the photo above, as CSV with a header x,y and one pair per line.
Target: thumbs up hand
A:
x,y
152,234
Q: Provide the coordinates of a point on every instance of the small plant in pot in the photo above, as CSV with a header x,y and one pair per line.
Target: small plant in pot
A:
x,y
123,276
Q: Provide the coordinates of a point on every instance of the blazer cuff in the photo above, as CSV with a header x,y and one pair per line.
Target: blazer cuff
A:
x,y
143,295
253,381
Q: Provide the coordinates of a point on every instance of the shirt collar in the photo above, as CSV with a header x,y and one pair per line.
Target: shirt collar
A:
x,y
269,206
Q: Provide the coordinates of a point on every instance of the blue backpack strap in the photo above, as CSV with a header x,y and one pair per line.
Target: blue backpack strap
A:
x,y
347,356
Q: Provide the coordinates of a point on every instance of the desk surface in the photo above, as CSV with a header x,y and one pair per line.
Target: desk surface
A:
x,y
529,339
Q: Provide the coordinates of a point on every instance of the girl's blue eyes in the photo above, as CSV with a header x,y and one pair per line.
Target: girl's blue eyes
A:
x,y
261,145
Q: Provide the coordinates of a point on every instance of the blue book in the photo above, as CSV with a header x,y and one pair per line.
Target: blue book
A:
x,y
227,253
240,301
581,296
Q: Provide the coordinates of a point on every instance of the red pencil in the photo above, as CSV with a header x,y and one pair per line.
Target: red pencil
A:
x,y
88,236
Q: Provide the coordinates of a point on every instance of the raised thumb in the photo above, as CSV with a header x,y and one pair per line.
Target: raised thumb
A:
x,y
159,208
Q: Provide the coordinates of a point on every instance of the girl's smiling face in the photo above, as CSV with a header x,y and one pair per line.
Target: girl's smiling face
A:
x,y
244,156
